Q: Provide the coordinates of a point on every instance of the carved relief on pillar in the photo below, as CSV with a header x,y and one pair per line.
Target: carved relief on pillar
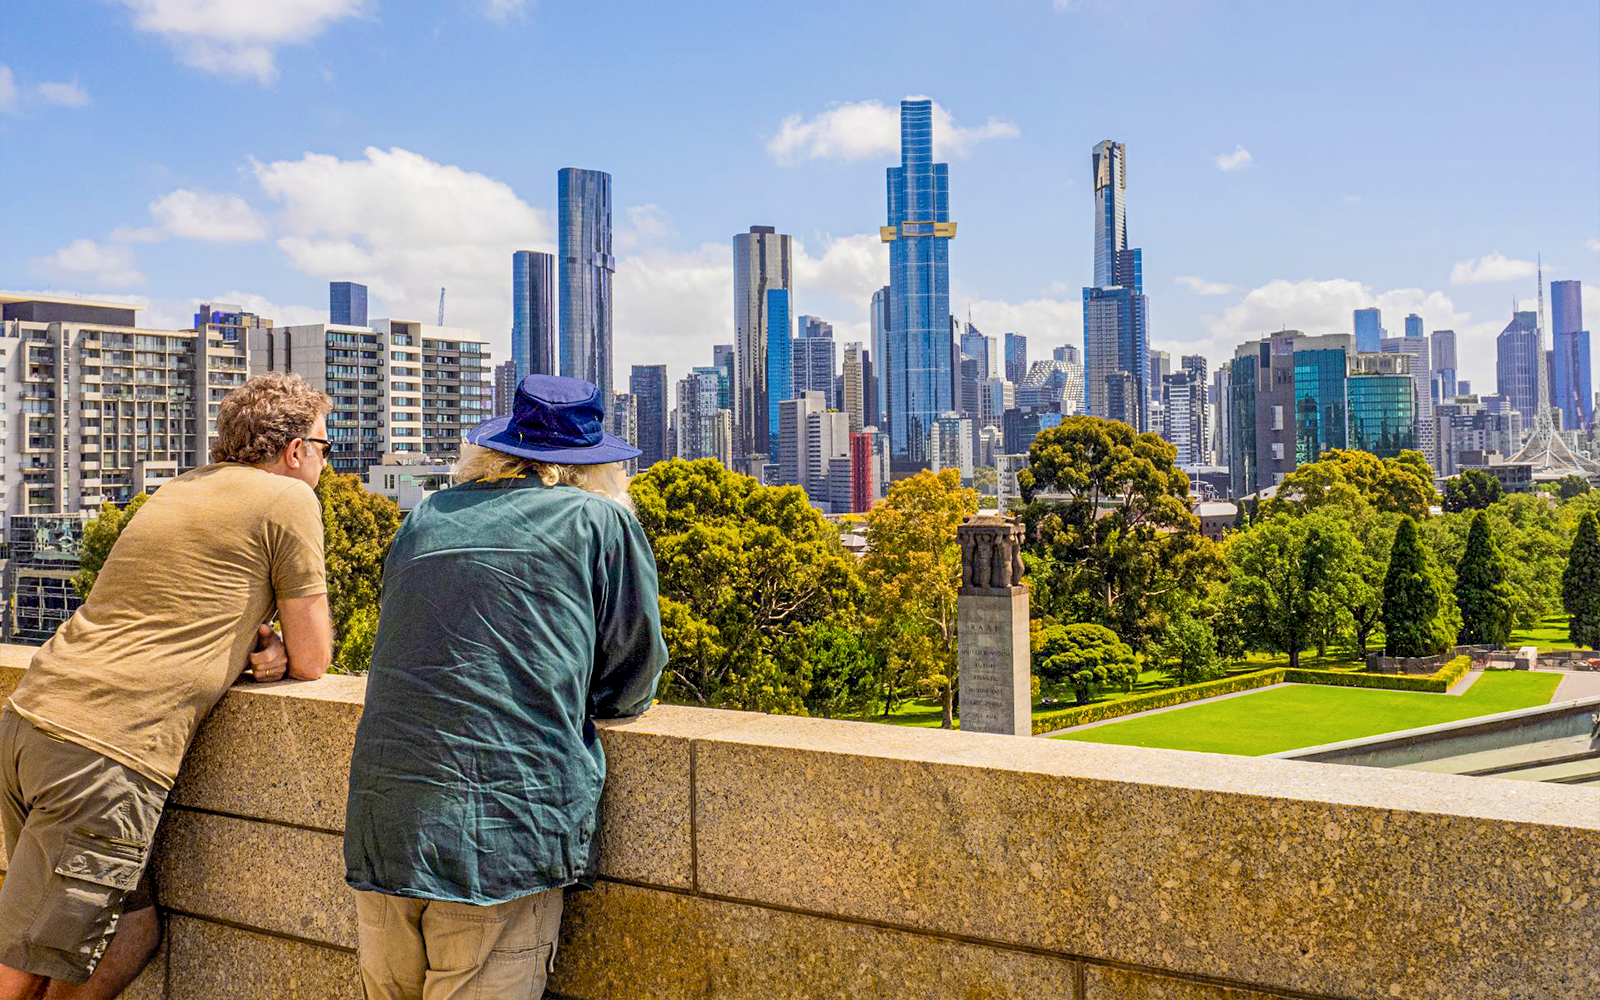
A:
x,y
991,554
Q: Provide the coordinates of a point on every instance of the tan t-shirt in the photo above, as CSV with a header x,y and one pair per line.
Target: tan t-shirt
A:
x,y
172,619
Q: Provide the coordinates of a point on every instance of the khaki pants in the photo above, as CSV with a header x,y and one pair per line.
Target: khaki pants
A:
x,y
419,949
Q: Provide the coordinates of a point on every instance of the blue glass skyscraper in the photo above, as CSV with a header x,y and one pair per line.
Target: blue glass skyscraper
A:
x,y
779,373
533,325
1414,326
1369,330
347,303
919,365
1116,332
584,207
1570,389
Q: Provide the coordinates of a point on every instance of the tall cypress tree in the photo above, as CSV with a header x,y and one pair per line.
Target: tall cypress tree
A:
x,y
1482,593
1580,584
1412,598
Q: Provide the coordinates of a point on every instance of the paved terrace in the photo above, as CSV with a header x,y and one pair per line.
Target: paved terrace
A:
x,y
766,856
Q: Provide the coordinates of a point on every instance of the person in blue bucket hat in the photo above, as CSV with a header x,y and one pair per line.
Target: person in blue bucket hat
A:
x,y
518,606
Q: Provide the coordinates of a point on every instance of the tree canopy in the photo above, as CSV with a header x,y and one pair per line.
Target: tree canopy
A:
x,y
357,527
746,572
1580,584
1472,489
1111,536
1287,580
912,571
1086,655
1414,598
1482,592
1402,485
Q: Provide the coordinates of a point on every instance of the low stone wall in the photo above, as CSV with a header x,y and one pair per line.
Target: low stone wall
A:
x,y
763,856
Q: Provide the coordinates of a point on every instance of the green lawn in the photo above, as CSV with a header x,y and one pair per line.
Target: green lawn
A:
x,y
927,711
1551,634
1303,715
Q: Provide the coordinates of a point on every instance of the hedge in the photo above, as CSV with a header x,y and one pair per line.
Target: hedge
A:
x,y
1437,682
1080,715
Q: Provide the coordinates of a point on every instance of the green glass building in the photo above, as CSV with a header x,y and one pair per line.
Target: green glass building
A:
x,y
1319,402
1382,400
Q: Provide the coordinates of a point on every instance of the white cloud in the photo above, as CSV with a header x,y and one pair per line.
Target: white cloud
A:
x,y
1201,286
641,226
670,307
502,10
136,234
850,269
1236,160
68,95
85,259
1046,322
237,37
1592,244
1491,267
8,91
1352,199
868,129
212,218
282,315
405,225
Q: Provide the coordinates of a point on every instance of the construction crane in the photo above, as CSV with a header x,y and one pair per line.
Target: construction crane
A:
x,y
441,307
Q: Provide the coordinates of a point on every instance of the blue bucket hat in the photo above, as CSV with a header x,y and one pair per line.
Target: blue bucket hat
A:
x,y
556,420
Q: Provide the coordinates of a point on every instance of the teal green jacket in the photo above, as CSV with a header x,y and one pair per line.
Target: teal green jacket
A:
x,y
513,614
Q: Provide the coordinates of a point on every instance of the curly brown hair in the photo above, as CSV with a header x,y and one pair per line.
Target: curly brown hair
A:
x,y
256,421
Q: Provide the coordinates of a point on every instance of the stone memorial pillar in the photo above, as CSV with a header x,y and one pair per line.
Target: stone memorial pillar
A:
x,y
992,628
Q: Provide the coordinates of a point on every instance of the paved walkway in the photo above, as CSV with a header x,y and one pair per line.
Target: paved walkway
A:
x,y
1576,684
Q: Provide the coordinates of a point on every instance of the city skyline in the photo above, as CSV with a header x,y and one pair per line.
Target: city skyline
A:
x,y
337,187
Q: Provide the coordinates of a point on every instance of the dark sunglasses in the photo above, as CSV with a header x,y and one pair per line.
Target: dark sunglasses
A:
x,y
327,446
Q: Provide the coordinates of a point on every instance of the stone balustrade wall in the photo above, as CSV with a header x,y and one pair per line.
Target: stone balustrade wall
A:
x,y
755,856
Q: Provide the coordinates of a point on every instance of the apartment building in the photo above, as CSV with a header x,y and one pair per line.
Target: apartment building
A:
x,y
400,388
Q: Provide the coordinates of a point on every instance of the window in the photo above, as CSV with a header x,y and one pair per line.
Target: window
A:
x,y
1277,420
1277,450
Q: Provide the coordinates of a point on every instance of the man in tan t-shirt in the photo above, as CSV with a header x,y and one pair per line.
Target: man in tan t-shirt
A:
x,y
91,740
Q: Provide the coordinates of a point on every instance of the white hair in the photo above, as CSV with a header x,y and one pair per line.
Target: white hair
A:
x,y
485,465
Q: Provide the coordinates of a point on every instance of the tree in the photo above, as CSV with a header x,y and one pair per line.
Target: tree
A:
x,y
1403,484
746,573
912,570
1568,487
1580,584
1287,578
1188,650
1413,598
1086,655
357,528
99,535
843,671
1473,489
1482,592
1111,536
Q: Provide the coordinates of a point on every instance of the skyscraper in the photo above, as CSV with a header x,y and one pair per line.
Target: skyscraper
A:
x,y
505,387
1382,393
1067,352
1517,356
722,357
1444,366
778,383
1287,405
1413,325
1116,336
1416,347
584,205
814,359
347,303
648,386
533,324
919,232
1570,389
1183,410
762,262
1016,356
878,323
854,402
1368,330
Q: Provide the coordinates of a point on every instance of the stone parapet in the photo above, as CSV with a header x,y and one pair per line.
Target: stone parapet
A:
x,y
760,856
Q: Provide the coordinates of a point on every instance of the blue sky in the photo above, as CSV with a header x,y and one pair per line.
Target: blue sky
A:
x,y
1411,155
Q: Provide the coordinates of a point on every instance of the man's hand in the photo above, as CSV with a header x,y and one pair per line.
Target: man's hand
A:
x,y
270,661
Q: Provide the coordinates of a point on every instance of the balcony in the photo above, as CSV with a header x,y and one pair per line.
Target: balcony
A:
x,y
762,856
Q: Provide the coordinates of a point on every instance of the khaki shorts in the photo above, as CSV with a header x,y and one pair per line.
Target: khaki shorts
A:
x,y
420,949
78,829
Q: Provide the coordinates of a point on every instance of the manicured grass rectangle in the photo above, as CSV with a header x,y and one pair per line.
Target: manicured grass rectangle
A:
x,y
1304,715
